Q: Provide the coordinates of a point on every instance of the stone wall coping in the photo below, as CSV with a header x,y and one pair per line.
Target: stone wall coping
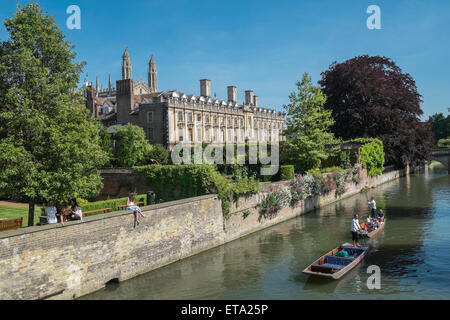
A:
x,y
97,217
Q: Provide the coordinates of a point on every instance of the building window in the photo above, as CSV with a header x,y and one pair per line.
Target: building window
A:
x,y
149,116
150,134
215,119
221,120
235,122
207,119
199,134
180,116
229,121
207,135
242,123
199,117
190,117
190,135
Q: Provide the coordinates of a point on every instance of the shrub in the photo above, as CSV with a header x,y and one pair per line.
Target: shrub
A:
x,y
195,180
132,148
372,155
286,172
184,180
316,173
331,169
344,159
159,154
340,184
267,177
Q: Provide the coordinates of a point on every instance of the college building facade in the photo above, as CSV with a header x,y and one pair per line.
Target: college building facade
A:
x,y
171,117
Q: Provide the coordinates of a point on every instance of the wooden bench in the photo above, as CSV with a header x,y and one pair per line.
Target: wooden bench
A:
x,y
10,224
95,211
122,206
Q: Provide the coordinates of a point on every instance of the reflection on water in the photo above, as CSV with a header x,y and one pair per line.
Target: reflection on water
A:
x,y
413,252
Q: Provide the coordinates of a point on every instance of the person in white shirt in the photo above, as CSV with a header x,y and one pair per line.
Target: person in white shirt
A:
x,y
355,228
50,212
373,207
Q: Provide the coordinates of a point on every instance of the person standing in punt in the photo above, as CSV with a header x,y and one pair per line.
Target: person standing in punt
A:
x,y
373,207
355,228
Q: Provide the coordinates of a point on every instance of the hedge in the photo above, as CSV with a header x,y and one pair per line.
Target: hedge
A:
x,y
178,181
287,172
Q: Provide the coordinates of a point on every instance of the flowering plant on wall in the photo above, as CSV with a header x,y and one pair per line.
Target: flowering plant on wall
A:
x,y
297,189
274,202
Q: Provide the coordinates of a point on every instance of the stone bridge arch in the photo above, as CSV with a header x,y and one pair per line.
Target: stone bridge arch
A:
x,y
442,155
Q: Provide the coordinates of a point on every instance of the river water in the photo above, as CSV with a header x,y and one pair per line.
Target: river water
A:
x,y
413,253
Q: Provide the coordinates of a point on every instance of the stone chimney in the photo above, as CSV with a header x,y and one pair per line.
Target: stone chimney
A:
x,y
255,101
249,97
205,88
232,95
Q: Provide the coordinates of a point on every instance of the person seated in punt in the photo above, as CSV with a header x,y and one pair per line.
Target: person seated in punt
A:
x,y
381,215
341,252
367,226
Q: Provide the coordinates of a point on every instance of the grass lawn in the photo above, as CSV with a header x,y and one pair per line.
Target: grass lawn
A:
x,y
12,212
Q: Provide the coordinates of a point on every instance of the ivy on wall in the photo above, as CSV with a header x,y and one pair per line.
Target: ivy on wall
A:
x,y
372,155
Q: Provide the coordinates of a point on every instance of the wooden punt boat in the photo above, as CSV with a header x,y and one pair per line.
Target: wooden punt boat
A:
x,y
373,232
334,267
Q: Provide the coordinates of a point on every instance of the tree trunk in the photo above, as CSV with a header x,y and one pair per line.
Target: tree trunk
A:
x,y
31,213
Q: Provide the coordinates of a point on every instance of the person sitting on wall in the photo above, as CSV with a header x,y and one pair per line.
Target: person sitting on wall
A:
x,y
341,252
381,215
76,213
50,212
61,212
131,206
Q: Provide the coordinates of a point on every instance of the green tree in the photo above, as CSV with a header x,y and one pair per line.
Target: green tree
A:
x,y
440,126
49,143
105,142
308,122
132,148
159,153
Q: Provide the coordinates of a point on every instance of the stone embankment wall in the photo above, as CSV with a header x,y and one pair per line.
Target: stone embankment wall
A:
x,y
63,262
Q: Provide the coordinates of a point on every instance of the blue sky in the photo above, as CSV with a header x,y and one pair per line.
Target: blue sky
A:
x,y
260,45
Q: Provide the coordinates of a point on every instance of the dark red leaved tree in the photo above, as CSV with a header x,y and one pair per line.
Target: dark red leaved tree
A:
x,y
372,97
